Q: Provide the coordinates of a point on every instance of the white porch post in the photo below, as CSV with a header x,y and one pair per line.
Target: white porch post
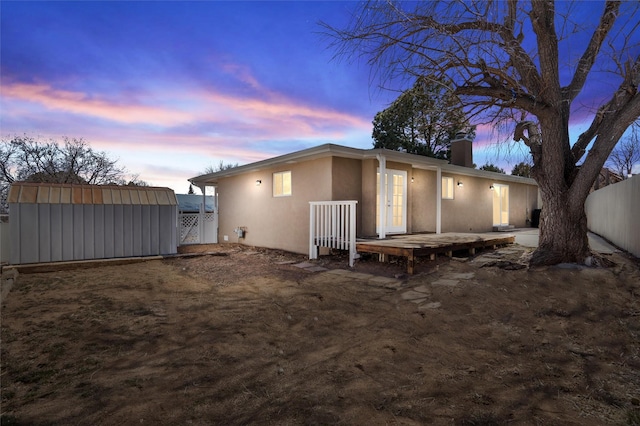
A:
x,y
438,200
201,215
382,160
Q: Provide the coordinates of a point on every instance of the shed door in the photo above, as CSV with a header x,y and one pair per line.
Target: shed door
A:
x,y
396,203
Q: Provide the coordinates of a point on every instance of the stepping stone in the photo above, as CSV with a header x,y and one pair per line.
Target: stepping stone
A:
x,y
429,306
413,295
316,269
343,272
304,265
445,282
384,281
482,261
423,289
393,286
509,251
361,276
286,262
463,276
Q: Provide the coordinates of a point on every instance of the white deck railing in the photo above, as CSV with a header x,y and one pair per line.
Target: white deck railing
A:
x,y
332,224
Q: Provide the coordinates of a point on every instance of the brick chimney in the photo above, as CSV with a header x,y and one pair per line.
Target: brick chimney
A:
x,y
461,150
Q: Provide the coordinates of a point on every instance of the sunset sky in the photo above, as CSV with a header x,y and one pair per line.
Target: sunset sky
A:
x,y
169,88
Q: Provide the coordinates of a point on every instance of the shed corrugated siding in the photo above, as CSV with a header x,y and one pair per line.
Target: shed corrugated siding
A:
x,y
50,223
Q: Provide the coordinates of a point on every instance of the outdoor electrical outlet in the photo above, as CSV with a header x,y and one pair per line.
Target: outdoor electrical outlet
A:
x,y
226,238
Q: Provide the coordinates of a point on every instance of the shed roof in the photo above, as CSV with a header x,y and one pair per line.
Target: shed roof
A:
x,y
55,193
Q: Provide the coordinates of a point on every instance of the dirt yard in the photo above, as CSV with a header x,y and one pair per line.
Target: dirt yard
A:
x,y
246,337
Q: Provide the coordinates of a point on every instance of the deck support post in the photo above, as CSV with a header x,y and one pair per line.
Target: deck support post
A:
x,y
411,263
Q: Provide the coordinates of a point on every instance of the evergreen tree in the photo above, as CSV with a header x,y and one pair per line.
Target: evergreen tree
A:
x,y
422,120
522,169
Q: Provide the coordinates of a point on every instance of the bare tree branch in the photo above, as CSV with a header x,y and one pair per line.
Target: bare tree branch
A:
x,y
626,92
590,54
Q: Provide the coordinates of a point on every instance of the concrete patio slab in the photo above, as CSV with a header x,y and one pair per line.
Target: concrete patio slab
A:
x,y
529,238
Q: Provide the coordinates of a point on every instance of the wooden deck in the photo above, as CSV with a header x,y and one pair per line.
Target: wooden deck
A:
x,y
418,245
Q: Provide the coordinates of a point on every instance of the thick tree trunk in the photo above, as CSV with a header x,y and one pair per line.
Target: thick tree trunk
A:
x,y
563,221
563,232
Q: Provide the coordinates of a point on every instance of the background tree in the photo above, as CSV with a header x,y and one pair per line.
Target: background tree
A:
x,y
422,120
219,167
23,158
523,62
522,169
492,168
626,154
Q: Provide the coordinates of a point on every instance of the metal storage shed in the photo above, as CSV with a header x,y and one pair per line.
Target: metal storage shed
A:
x,y
59,222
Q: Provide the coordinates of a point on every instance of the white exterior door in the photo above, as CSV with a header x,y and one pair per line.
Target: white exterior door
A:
x,y
395,203
500,205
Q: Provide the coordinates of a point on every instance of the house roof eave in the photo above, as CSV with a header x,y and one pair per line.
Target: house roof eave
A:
x,y
325,150
416,161
329,150
466,171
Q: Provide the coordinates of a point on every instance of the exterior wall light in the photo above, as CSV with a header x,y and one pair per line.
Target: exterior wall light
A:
x,y
491,187
412,179
258,182
459,183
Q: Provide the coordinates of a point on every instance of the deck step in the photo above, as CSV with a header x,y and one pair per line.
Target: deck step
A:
x,y
503,228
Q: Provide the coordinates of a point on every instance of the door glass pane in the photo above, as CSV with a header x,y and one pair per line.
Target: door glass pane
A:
x,y
398,197
504,207
496,205
500,204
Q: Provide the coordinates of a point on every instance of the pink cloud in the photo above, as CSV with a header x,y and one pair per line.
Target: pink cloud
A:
x,y
81,103
241,73
273,117
282,116
271,114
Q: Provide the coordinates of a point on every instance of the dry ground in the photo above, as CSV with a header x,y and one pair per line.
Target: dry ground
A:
x,y
246,338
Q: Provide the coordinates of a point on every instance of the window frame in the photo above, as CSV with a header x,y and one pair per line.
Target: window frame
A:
x,y
445,194
278,191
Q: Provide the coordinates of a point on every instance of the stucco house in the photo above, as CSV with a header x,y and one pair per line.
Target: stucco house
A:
x,y
267,203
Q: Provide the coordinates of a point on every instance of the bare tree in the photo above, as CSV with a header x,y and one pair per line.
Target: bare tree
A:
x,y
516,62
219,167
23,158
626,154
